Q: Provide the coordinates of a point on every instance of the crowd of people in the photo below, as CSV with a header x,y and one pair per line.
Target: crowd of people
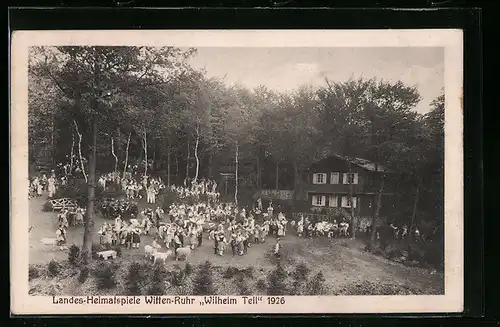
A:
x,y
39,184
188,223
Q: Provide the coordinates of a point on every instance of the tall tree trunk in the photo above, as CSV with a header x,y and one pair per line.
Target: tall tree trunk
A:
x,y
210,168
295,179
126,154
377,212
52,142
168,163
177,164
352,225
88,219
71,160
82,165
236,175
259,176
153,164
196,154
187,161
414,212
277,176
114,154
145,140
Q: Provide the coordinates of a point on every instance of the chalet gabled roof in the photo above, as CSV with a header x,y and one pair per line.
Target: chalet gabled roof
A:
x,y
360,162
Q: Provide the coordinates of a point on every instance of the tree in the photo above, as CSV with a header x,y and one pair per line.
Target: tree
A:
x,y
277,281
300,276
93,79
203,282
316,285
369,119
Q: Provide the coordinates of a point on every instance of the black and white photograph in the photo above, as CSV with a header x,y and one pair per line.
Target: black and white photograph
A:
x,y
217,174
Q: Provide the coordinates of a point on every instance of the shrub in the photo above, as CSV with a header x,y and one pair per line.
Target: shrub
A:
x,y
300,276
249,272
75,189
242,285
54,268
277,281
370,288
84,274
188,269
158,279
74,252
230,272
105,276
203,283
261,285
316,286
33,272
134,278
177,277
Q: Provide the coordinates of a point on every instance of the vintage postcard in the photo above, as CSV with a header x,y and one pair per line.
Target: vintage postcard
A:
x,y
236,171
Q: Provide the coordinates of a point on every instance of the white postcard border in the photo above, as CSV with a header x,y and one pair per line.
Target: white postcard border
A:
x,y
451,40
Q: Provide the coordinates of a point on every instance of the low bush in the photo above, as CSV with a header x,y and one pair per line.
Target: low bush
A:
x,y
54,268
300,276
33,272
203,282
84,274
178,277
277,281
242,285
249,272
75,189
159,277
105,276
188,269
73,254
229,272
261,285
316,285
371,288
134,277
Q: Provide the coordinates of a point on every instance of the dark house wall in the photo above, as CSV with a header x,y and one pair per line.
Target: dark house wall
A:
x,y
364,191
367,180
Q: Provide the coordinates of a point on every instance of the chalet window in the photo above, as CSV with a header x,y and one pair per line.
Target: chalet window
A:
x,y
346,201
319,178
318,200
350,178
334,178
333,201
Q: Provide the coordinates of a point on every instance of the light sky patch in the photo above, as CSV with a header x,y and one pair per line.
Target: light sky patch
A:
x,y
285,69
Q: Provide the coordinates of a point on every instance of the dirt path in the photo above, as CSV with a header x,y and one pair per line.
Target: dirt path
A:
x,y
341,261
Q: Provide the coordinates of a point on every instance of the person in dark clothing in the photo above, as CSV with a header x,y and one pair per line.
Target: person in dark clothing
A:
x,y
234,248
200,238
181,238
216,243
245,245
